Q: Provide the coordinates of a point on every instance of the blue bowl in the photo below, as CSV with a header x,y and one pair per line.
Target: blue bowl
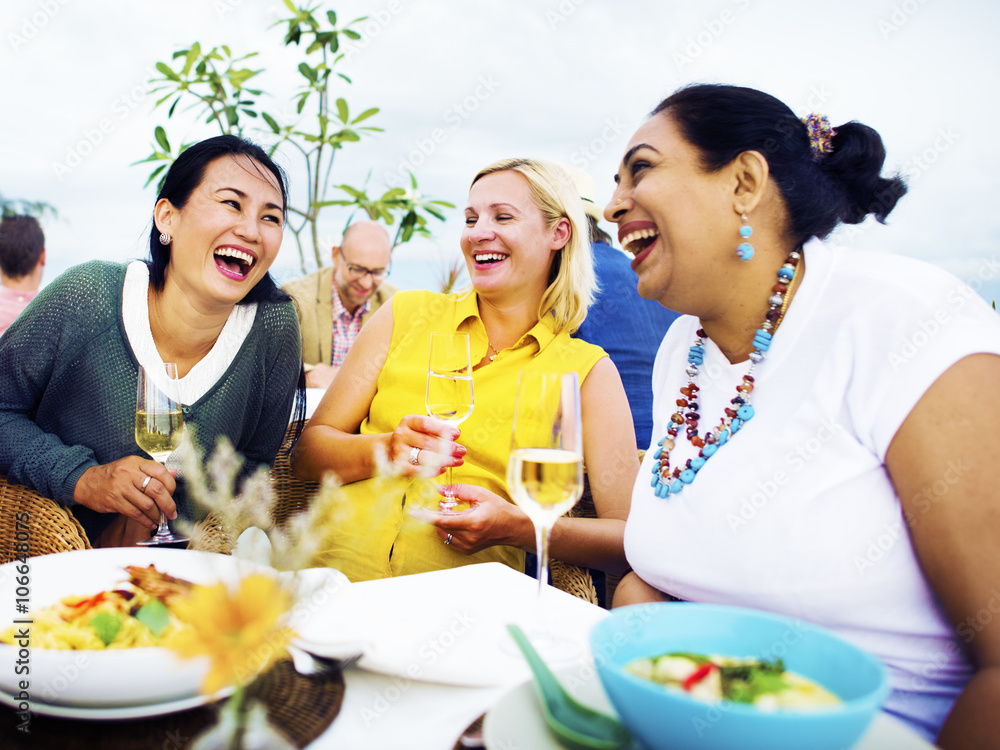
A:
x,y
670,720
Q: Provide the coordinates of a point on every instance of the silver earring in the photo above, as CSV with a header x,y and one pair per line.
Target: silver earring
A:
x,y
165,238
745,250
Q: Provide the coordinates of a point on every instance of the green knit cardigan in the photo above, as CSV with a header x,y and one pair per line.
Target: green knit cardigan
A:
x,y
68,382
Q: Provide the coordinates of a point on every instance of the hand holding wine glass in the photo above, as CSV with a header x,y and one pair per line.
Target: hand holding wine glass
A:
x,y
449,389
159,429
545,472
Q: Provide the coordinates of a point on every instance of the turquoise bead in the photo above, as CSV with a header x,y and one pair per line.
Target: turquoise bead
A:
x,y
745,251
786,274
687,476
709,450
746,230
659,452
735,425
723,437
676,486
697,462
745,412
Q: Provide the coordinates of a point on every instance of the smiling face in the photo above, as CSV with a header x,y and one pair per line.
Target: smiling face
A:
x,y
673,216
227,234
508,247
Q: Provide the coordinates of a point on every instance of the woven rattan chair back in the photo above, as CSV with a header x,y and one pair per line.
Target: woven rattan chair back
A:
x,y
33,525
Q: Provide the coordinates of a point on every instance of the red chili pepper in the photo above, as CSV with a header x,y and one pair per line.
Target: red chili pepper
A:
x,y
698,675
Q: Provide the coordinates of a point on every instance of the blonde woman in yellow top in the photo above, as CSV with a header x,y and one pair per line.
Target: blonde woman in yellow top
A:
x,y
526,248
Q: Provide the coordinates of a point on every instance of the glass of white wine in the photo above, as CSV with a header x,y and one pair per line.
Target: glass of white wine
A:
x,y
449,390
159,429
545,472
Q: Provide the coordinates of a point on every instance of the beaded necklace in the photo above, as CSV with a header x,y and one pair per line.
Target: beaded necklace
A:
x,y
667,481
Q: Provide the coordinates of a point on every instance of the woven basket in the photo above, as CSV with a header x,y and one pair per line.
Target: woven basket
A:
x,y
29,519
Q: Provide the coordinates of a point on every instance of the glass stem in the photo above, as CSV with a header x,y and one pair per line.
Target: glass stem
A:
x,y
542,553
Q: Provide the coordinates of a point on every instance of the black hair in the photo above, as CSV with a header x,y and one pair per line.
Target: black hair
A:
x,y
21,245
185,175
843,186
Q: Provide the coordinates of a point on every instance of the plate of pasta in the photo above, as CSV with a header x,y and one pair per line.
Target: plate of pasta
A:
x,y
91,628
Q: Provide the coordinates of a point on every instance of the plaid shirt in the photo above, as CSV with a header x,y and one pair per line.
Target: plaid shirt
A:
x,y
345,328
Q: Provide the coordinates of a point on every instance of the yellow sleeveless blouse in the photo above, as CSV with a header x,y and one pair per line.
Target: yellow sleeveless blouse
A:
x,y
374,536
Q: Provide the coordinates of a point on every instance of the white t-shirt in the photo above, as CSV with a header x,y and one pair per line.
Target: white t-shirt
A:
x,y
797,514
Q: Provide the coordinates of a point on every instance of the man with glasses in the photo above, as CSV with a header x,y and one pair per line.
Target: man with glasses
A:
x,y
334,302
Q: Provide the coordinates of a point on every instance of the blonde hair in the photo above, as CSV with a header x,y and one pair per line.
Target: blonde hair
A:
x,y
572,283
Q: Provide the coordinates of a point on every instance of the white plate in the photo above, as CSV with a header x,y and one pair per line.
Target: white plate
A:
x,y
517,720
96,678
123,712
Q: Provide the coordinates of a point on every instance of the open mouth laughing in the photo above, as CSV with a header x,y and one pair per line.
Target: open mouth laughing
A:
x,y
637,239
489,259
233,262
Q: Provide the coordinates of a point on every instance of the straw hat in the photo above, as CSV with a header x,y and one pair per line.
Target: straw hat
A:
x,y
584,185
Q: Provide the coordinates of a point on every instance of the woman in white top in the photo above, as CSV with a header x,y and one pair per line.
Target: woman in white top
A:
x,y
821,417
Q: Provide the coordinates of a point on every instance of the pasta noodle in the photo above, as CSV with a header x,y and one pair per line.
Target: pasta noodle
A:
x,y
127,616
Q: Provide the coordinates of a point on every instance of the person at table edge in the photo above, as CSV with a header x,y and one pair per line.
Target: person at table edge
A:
x,y
205,300
852,481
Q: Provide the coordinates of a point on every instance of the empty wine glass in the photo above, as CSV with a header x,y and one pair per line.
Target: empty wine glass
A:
x,y
159,429
449,389
545,472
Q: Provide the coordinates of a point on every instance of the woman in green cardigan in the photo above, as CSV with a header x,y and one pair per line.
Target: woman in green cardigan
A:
x,y
204,300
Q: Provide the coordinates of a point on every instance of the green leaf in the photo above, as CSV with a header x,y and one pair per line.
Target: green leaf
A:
x,y
225,49
167,71
345,77
232,116
342,110
436,214
392,193
155,616
161,138
271,122
308,72
314,46
193,54
365,115
173,107
154,173
291,6
351,34
331,17
334,43
106,625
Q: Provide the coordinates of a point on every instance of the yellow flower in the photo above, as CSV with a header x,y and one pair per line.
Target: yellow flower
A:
x,y
239,631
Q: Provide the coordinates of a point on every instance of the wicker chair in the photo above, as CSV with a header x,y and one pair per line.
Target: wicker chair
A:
x,y
47,527
43,525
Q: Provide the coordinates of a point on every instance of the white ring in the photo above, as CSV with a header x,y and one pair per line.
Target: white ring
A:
x,y
414,455
447,539
145,482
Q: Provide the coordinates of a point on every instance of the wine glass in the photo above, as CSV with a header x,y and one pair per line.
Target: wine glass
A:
x,y
449,390
545,472
159,429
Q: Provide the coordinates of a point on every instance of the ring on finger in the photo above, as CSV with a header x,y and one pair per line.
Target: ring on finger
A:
x,y
145,482
447,539
414,455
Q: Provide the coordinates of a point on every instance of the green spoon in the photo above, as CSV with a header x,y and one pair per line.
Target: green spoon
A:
x,y
576,725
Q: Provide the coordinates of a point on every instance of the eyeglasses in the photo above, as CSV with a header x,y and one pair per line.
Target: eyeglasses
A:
x,y
359,272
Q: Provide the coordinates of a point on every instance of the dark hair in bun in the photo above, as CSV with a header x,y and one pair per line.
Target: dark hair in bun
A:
x,y
820,191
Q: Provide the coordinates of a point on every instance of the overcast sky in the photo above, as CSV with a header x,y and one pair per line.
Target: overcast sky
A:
x,y
461,83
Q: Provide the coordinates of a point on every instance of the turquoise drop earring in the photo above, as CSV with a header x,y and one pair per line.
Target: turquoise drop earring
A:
x,y
745,250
